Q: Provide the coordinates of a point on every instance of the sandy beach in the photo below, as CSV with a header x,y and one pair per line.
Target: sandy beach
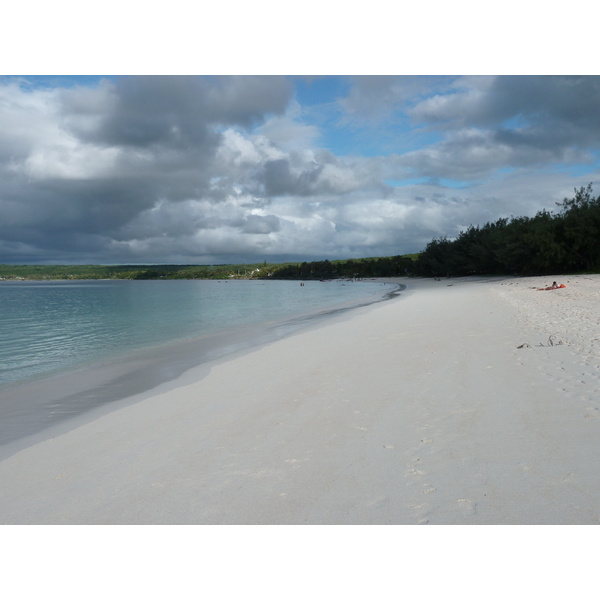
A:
x,y
462,401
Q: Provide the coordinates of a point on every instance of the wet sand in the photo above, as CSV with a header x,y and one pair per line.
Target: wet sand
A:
x,y
423,409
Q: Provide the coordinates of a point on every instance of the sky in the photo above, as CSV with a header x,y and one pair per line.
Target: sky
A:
x,y
213,169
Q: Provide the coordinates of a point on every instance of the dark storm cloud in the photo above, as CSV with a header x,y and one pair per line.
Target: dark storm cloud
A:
x,y
474,154
89,163
540,105
321,173
279,180
511,121
176,111
542,100
261,225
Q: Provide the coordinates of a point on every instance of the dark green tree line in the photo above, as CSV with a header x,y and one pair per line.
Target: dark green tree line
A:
x,y
390,266
549,242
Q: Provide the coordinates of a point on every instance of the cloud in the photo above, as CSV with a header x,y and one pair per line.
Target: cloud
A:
x,y
538,100
173,111
381,97
470,154
493,123
288,132
318,174
261,225
96,161
227,169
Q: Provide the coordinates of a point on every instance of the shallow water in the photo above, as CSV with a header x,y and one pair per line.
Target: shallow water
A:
x,y
68,347
46,327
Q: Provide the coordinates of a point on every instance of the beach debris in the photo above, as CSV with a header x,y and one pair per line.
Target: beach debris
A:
x,y
553,340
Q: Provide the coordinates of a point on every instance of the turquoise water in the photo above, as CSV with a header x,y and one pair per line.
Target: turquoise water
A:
x,y
67,347
46,327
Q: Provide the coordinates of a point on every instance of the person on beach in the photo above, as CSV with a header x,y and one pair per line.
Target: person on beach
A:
x,y
554,286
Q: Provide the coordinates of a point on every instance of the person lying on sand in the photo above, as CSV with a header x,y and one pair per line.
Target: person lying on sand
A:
x,y
554,286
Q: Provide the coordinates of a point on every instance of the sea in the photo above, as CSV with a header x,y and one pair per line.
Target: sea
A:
x,y
71,347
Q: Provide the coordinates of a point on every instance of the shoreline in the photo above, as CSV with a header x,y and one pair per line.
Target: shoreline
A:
x,y
45,406
423,410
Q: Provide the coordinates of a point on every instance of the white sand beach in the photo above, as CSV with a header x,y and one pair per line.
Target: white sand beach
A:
x,y
423,409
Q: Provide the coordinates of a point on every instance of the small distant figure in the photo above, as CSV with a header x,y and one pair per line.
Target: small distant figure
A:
x,y
554,286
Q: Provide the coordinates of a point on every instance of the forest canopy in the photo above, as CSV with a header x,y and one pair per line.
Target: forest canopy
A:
x,y
550,242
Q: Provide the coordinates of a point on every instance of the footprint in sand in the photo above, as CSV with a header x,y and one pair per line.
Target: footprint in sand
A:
x,y
421,512
378,502
467,505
